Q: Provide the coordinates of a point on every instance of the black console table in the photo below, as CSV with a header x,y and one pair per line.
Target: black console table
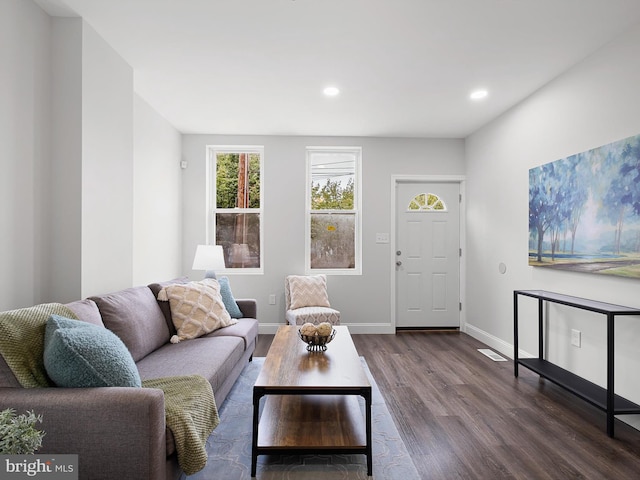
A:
x,y
602,398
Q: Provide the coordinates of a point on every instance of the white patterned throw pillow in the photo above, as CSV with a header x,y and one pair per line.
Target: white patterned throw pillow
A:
x,y
308,291
196,308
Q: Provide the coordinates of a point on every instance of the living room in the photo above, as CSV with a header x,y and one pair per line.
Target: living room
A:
x,y
95,199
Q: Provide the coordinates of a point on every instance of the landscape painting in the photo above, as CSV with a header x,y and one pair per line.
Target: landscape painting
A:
x,y
584,211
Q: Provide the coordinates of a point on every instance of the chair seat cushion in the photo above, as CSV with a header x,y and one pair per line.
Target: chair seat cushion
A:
x,y
315,315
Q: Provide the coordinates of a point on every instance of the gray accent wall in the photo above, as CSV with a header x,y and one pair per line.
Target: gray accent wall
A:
x,y
363,300
64,235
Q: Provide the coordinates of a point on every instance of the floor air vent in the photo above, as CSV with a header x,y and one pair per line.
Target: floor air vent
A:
x,y
492,355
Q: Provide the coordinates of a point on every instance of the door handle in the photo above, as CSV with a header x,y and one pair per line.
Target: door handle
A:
x,y
398,263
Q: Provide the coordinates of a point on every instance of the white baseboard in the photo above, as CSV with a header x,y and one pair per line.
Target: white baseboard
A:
x,y
494,342
490,340
354,328
268,328
386,328
371,328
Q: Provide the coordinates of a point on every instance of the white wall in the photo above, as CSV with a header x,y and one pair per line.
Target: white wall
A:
x,y
157,204
594,103
25,140
66,152
107,167
364,301
91,182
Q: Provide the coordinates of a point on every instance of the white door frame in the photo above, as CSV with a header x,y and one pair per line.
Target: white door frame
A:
x,y
397,179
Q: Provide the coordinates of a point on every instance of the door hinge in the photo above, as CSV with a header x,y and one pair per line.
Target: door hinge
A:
x,y
460,252
460,306
460,198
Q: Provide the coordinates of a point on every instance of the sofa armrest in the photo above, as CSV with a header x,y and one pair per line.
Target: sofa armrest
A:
x,y
248,307
116,432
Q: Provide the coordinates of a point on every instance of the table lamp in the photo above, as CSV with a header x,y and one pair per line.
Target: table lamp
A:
x,y
209,258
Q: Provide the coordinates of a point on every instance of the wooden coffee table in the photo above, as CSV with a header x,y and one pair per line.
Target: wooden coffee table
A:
x,y
311,403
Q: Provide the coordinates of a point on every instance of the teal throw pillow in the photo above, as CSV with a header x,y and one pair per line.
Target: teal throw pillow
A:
x,y
228,299
79,354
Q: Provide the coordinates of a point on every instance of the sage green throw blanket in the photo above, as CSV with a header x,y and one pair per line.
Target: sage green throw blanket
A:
x,y
22,341
190,407
191,415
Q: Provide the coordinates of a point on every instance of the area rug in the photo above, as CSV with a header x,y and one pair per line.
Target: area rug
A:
x,y
229,446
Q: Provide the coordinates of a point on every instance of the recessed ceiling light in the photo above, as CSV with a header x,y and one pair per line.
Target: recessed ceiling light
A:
x,y
478,94
331,91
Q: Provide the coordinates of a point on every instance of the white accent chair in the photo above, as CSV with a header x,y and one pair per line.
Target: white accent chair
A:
x,y
307,300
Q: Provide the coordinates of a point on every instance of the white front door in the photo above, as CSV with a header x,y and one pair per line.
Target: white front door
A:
x,y
427,254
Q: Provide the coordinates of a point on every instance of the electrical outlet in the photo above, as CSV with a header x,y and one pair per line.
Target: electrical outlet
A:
x,y
575,337
272,299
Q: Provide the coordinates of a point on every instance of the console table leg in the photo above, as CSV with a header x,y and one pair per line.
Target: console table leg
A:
x,y
515,334
610,374
367,398
254,441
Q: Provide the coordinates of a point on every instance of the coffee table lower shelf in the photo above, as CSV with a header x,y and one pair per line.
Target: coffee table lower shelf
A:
x,y
321,424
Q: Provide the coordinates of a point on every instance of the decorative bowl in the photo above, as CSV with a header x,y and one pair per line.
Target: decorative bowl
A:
x,y
317,343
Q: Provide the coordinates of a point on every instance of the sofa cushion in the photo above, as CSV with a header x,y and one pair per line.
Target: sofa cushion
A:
x,y
196,308
228,298
87,311
211,357
135,316
246,328
79,354
308,291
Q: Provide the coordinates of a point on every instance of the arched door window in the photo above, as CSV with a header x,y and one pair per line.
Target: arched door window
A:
x,y
427,202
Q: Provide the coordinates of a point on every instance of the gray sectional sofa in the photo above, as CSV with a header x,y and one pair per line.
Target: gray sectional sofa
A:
x,y
120,432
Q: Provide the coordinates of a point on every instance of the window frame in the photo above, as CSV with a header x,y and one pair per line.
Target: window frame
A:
x,y
212,209
357,210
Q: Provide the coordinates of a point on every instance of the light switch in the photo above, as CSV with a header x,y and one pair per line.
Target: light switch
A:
x,y
576,339
382,238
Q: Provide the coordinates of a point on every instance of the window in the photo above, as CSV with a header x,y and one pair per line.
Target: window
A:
x,y
427,202
333,210
235,205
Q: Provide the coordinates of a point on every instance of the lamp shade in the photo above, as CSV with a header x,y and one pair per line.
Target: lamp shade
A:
x,y
209,257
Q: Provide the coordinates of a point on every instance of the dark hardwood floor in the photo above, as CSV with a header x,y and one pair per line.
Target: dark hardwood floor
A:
x,y
464,416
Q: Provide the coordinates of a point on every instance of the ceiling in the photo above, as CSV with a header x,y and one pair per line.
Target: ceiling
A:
x,y
405,68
